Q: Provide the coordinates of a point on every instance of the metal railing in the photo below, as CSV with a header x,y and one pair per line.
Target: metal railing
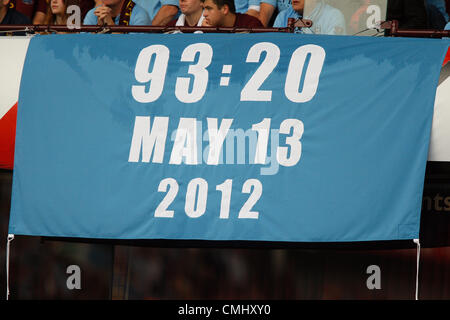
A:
x,y
32,29
391,27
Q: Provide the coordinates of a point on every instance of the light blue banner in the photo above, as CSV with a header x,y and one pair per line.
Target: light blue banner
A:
x,y
273,137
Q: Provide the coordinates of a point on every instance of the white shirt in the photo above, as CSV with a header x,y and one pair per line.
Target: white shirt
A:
x,y
182,21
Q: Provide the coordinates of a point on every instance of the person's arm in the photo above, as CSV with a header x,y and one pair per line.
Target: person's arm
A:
x,y
39,18
266,11
41,10
253,8
253,13
165,14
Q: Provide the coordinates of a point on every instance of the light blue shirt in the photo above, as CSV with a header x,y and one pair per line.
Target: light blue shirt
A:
x,y
279,4
326,20
447,26
242,6
152,6
139,17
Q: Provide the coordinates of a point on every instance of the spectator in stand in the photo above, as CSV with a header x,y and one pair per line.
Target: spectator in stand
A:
x,y
117,12
250,7
222,13
437,14
268,8
160,12
56,13
192,14
326,19
411,14
358,21
9,15
35,10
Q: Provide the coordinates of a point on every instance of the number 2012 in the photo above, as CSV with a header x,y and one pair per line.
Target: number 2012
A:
x,y
152,82
197,196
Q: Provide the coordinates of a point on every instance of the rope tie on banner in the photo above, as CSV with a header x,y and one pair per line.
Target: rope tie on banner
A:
x,y
10,238
417,242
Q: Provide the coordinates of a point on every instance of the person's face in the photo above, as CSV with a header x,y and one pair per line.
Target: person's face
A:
x,y
4,4
298,5
58,6
213,15
190,6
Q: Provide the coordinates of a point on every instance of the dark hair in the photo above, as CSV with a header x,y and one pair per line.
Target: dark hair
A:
x,y
221,3
50,18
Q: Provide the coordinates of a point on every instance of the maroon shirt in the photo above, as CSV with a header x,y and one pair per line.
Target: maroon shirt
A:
x,y
30,7
246,21
172,23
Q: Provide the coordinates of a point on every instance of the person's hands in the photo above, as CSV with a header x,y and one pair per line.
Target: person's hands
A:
x,y
103,14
